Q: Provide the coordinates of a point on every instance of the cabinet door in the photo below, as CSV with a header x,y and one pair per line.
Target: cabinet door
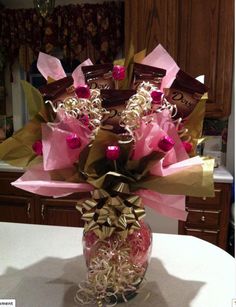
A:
x,y
60,212
198,34
149,23
16,209
6,178
206,36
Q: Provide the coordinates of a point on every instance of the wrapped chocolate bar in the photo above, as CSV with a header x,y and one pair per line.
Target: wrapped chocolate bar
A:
x,y
57,88
185,92
114,101
147,73
99,76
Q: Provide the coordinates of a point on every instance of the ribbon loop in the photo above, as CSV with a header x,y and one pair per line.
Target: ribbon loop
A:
x,y
121,187
100,194
105,213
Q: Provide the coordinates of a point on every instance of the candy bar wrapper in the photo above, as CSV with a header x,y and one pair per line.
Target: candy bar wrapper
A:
x,y
146,73
99,76
114,101
185,92
56,89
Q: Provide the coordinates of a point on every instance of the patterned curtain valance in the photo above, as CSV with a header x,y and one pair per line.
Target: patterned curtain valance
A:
x,y
79,31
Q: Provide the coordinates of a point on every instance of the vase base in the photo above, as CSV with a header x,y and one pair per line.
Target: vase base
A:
x,y
120,299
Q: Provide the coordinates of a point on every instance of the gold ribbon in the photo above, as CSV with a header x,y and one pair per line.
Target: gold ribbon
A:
x,y
105,213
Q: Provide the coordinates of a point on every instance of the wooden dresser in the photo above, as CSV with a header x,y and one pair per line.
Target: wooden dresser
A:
x,y
208,218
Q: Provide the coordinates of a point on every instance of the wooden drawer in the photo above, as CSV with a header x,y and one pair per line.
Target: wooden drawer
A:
x,y
203,218
206,202
5,184
208,217
61,212
16,209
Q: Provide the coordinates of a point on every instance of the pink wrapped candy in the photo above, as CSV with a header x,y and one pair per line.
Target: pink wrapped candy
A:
x,y
73,141
82,91
166,143
187,146
156,97
112,152
118,72
38,148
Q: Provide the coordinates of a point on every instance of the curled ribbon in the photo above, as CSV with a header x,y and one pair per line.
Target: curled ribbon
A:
x,y
112,274
79,107
140,104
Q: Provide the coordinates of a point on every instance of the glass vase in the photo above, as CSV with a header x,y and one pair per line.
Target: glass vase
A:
x,y
117,266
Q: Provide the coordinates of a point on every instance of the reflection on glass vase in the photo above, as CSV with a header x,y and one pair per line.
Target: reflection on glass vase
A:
x,y
116,266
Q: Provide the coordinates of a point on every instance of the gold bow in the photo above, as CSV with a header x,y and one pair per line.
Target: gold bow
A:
x,y
105,213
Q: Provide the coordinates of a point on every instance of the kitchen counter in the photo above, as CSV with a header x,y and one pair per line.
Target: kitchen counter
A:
x,y
5,167
221,174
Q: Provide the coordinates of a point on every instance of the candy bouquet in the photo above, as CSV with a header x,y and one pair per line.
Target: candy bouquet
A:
x,y
128,148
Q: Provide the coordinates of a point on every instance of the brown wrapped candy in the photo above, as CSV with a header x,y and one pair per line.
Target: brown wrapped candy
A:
x,y
99,76
55,89
114,101
147,73
185,92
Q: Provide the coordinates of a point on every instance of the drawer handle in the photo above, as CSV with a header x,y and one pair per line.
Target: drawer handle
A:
x,y
204,198
42,212
203,218
28,209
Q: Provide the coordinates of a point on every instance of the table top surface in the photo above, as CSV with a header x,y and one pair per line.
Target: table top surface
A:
x,y
42,266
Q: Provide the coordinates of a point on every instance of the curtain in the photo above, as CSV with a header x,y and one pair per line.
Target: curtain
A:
x,y
79,31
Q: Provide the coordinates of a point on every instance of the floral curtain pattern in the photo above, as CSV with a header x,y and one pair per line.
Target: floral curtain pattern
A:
x,y
80,31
